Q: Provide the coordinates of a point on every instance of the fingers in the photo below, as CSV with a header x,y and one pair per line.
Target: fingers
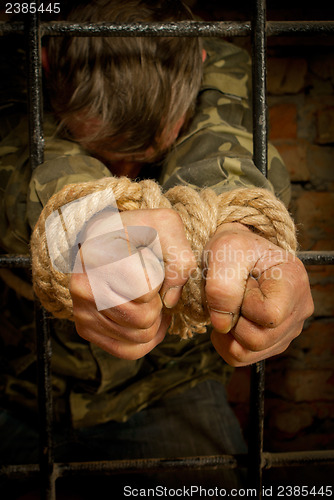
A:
x,y
228,269
249,276
179,260
150,252
129,331
281,285
130,316
240,349
122,266
273,312
120,348
175,250
140,315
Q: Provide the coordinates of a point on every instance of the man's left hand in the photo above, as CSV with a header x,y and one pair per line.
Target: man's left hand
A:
x,y
258,295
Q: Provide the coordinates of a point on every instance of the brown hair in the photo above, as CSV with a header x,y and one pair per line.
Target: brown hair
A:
x,y
126,93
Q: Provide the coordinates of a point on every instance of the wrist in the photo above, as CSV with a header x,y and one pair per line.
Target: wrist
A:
x,y
232,227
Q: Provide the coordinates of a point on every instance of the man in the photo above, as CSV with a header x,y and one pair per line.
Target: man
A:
x,y
140,107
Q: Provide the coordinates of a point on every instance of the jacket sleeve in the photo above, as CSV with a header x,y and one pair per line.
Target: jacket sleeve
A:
x,y
217,150
23,192
65,163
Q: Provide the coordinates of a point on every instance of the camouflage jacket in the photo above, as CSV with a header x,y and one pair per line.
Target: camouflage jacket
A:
x,y
89,385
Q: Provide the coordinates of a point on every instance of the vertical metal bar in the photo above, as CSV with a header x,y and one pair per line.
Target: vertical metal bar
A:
x,y
35,109
255,442
45,406
260,156
36,144
260,128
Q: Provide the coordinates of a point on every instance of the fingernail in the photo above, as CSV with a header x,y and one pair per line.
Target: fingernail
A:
x,y
171,297
229,318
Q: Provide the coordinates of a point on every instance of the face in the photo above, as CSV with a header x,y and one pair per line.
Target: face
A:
x,y
128,164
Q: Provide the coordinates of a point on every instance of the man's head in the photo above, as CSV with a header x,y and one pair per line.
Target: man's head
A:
x,y
126,96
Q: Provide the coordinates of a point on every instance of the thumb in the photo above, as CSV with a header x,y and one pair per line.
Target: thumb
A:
x,y
180,263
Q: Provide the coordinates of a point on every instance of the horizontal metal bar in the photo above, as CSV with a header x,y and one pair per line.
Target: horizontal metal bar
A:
x,y
15,260
120,466
270,460
297,458
315,258
151,464
22,471
299,28
310,258
189,28
185,28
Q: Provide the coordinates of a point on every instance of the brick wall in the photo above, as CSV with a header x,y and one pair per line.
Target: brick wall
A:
x,y
299,404
300,383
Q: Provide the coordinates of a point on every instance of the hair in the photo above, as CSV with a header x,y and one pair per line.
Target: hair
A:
x,y
125,93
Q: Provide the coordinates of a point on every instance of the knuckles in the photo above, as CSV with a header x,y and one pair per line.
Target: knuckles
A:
x,y
227,243
233,354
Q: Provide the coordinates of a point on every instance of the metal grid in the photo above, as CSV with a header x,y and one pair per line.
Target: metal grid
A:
x,y
256,460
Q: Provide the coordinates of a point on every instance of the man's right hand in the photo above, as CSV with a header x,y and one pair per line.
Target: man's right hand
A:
x,y
133,328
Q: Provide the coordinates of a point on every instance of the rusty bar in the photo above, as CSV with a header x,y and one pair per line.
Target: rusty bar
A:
x,y
317,258
260,127
15,261
151,464
43,338
270,460
191,28
47,471
260,155
297,458
309,258
36,141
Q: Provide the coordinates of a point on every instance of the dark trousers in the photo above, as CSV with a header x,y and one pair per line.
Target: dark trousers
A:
x,y
198,422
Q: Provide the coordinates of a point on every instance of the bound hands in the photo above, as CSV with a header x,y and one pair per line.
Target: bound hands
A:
x,y
258,296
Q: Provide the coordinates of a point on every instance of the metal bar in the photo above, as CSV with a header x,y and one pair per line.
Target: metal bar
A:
x,y
309,258
297,458
260,155
21,471
47,470
260,127
15,261
270,460
43,338
282,28
36,141
174,29
151,464
256,419
317,258
177,29
190,28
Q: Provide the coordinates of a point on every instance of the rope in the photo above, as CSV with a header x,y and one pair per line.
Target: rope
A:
x,y
201,212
